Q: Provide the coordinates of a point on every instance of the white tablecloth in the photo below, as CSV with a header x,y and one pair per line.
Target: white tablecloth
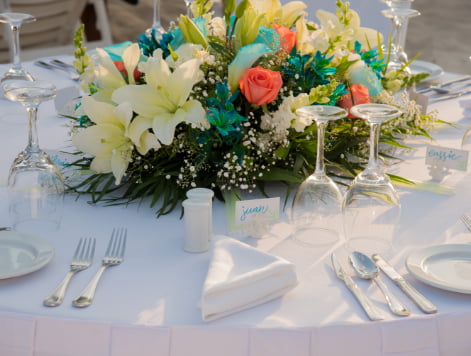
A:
x,y
149,304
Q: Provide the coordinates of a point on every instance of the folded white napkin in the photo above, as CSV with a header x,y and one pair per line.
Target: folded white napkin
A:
x,y
240,277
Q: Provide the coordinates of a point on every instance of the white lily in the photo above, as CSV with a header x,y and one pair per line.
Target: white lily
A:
x,y
108,78
350,33
110,140
274,12
163,102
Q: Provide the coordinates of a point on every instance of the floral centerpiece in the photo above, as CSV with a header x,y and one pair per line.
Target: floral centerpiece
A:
x,y
212,103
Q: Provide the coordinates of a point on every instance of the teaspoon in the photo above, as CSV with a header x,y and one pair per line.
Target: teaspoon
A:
x,y
365,268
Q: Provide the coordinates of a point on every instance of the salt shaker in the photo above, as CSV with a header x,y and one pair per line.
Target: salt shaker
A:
x,y
204,194
196,221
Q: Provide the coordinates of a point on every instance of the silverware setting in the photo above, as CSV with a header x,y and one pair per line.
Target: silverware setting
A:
x,y
81,260
367,268
448,90
423,303
445,84
114,255
56,64
371,310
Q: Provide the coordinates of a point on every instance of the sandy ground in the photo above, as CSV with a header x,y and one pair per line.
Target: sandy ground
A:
x,y
442,34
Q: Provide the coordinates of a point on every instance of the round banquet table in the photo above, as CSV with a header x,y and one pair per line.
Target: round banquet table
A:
x,y
149,304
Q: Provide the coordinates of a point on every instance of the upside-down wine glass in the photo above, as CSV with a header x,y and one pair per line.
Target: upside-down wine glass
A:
x,y
15,20
371,205
399,18
35,185
398,4
188,8
317,206
156,30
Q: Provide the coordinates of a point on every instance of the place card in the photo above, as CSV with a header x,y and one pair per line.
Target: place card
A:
x,y
254,216
446,158
420,99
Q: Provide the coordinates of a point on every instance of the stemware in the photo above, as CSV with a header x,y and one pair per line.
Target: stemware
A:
x,y
371,205
156,30
399,13
317,205
188,8
15,20
35,185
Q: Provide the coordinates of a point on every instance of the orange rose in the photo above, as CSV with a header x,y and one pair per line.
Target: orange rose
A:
x,y
260,85
287,38
357,94
124,72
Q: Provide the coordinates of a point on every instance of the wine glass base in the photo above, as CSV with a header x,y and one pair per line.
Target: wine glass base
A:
x,y
315,237
370,245
35,226
16,74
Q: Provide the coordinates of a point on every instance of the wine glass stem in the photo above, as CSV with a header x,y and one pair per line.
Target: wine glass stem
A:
x,y
374,146
33,143
156,21
320,167
188,8
15,29
398,35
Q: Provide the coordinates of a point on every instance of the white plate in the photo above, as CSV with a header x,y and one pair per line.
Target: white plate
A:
x,y
21,254
433,69
443,266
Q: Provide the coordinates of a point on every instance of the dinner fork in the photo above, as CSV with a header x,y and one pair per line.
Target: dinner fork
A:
x,y
467,221
114,255
81,260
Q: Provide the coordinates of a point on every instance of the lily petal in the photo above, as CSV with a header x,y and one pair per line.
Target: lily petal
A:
x,y
98,140
131,57
144,99
182,81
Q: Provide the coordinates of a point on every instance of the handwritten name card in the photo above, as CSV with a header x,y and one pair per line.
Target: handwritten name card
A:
x,y
445,157
261,210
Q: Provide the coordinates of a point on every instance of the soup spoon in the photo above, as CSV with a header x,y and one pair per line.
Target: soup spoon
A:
x,y
365,268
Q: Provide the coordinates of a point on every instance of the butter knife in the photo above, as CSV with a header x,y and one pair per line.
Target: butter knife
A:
x,y
422,302
373,312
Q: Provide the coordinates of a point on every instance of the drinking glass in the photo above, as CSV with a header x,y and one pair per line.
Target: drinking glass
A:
x,y
188,8
35,185
316,208
156,30
399,18
371,205
15,20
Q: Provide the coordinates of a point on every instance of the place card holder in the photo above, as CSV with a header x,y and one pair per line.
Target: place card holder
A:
x,y
440,160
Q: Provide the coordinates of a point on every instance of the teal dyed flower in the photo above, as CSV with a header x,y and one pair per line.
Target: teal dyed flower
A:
x,y
371,58
222,114
148,44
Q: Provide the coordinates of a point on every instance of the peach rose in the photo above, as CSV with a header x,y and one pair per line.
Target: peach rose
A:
x,y
357,94
287,38
260,85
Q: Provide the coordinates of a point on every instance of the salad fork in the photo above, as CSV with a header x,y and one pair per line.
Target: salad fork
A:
x,y
81,260
466,221
114,255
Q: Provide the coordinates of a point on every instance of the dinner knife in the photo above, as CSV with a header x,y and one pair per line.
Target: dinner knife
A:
x,y
373,312
422,302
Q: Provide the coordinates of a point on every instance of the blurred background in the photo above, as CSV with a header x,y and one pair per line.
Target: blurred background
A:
x,y
441,34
